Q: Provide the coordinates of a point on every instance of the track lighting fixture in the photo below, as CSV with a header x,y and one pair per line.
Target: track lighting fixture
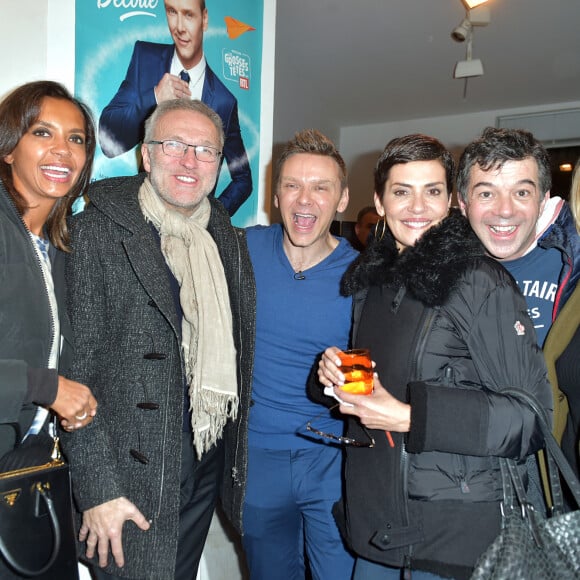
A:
x,y
469,67
461,32
476,17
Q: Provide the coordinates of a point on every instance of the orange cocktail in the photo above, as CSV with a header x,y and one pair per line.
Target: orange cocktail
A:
x,y
357,369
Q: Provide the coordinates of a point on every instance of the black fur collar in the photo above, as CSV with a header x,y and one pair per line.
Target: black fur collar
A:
x,y
429,270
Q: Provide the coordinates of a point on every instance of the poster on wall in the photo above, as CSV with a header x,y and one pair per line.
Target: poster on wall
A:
x,y
130,54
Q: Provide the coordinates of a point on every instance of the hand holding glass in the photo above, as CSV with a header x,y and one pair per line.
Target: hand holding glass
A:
x,y
357,368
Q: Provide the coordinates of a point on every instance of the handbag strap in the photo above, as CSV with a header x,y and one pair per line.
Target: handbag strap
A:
x,y
513,486
557,461
511,477
507,487
42,491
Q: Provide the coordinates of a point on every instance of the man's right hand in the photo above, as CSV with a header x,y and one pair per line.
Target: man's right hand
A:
x,y
74,404
103,525
171,87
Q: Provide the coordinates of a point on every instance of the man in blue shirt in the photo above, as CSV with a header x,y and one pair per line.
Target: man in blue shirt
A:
x,y
293,480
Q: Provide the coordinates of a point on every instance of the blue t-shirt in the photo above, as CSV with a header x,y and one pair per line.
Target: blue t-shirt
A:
x,y
537,275
296,319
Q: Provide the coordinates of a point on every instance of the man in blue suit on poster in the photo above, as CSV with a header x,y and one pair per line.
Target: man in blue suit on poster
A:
x,y
160,72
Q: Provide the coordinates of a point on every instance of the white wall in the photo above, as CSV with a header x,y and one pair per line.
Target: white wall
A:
x,y
60,42
361,146
23,30
37,42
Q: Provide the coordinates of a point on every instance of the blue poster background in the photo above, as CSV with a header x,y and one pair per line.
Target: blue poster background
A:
x,y
106,31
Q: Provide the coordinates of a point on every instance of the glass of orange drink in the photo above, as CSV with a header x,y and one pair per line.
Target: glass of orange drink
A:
x,y
357,368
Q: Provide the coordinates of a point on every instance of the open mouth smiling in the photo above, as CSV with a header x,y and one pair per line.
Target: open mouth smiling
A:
x,y
502,230
187,179
304,219
56,171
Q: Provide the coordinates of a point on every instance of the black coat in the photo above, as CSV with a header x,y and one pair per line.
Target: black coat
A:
x,y
26,329
448,330
128,336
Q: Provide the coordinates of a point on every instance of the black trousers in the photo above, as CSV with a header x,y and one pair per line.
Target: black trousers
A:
x,y
200,482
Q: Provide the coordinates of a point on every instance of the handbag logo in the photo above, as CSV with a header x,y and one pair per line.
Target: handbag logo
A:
x,y
10,497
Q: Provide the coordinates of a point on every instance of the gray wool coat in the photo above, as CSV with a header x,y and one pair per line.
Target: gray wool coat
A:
x,y
128,338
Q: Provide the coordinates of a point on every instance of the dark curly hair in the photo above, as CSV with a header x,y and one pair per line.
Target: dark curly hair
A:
x,y
495,147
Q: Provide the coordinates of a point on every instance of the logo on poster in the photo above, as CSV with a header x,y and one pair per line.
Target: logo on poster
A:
x,y
130,4
236,68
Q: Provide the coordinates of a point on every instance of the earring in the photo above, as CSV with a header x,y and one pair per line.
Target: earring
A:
x,y
383,223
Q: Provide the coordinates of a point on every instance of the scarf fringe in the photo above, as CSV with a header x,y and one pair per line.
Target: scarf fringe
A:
x,y
207,332
209,418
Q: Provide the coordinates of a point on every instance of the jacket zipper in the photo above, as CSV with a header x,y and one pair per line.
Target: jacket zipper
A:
x,y
463,485
448,380
52,313
429,317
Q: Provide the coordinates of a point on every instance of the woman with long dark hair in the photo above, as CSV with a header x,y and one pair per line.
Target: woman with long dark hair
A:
x,y
47,142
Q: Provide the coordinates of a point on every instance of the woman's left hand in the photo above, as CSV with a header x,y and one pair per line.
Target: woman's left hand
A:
x,y
379,410
75,404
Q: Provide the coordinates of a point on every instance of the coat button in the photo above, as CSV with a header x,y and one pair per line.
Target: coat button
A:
x,y
154,356
148,406
139,456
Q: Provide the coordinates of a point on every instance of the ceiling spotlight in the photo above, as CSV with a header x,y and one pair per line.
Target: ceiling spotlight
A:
x,y
470,67
469,4
461,32
476,17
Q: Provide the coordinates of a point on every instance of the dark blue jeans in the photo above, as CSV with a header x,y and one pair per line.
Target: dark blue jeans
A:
x,y
366,570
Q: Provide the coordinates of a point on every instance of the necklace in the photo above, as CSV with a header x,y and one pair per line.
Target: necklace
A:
x,y
300,266
302,260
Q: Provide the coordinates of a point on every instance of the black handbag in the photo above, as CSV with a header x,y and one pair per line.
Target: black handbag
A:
x,y
529,546
37,538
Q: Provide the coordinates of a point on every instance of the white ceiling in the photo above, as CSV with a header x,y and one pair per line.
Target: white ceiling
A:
x,y
344,62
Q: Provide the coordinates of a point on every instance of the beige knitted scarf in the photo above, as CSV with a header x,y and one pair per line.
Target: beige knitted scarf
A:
x,y
208,345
